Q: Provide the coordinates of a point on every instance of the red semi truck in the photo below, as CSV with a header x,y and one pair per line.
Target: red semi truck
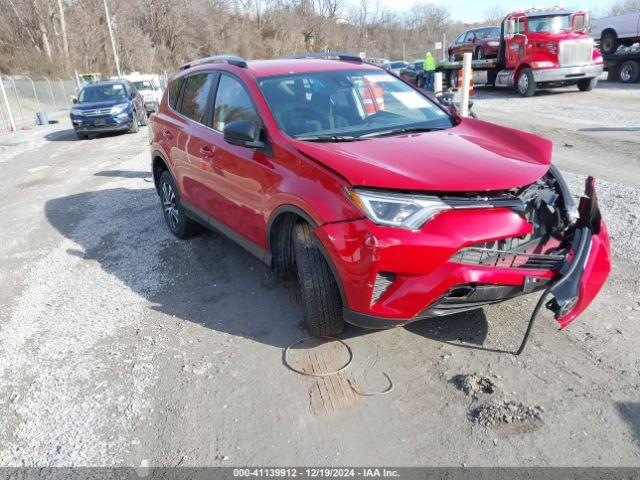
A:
x,y
539,48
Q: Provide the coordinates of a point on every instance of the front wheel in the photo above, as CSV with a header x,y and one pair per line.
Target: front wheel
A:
x,y
526,83
609,43
587,84
134,123
320,294
479,53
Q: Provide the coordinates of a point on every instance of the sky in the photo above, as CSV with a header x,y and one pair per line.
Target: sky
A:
x,y
474,11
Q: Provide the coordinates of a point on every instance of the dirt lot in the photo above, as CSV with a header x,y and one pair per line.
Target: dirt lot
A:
x,y
121,345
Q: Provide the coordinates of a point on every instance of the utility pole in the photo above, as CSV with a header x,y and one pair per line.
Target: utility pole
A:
x,y
113,41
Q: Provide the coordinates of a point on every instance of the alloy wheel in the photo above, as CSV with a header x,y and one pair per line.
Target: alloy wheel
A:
x,y
625,73
523,83
170,206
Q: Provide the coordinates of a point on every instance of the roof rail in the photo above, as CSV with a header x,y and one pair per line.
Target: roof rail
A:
x,y
345,57
230,59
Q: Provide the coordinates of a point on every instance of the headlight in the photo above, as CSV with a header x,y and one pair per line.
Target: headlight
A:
x,y
77,111
119,108
395,209
542,64
493,43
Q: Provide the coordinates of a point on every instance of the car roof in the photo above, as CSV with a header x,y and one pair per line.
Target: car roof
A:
x,y
269,68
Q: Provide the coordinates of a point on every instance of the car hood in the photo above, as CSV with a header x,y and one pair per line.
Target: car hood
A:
x,y
472,156
96,105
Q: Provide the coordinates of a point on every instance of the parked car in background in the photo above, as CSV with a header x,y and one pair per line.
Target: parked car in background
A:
x,y
107,107
390,208
414,73
481,42
149,88
395,66
615,31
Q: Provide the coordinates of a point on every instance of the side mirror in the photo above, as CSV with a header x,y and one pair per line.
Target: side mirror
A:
x,y
511,28
243,133
74,100
132,95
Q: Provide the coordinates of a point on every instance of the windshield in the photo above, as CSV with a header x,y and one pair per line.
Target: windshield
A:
x,y
102,93
143,85
397,64
348,103
550,24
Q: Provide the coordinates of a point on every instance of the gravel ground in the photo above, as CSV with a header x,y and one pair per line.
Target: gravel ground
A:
x,y
121,345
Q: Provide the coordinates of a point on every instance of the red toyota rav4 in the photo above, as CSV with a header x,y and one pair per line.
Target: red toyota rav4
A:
x,y
390,207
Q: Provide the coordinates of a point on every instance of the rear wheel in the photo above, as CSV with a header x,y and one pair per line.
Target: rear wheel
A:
x,y
609,43
526,84
144,119
320,294
629,71
177,221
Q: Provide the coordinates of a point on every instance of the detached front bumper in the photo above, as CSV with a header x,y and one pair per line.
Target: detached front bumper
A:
x,y
389,277
566,74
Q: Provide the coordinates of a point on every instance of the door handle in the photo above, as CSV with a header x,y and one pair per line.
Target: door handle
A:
x,y
206,151
167,134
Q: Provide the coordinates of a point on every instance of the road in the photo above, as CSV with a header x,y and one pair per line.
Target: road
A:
x,y
121,345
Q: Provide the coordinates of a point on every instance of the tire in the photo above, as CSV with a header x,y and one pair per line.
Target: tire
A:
x,y
609,43
629,71
420,81
144,121
174,215
587,84
134,125
526,84
319,292
472,114
478,54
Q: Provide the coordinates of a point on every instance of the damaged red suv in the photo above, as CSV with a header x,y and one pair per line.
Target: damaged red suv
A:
x,y
390,207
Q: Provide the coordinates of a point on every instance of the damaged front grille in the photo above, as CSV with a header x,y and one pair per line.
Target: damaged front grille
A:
x,y
543,205
487,257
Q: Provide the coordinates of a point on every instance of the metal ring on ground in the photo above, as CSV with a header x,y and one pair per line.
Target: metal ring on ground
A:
x,y
323,374
371,394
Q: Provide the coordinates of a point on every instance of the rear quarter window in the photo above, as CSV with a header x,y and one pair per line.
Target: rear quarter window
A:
x,y
174,92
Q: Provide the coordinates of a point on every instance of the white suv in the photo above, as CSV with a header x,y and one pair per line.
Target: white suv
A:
x,y
149,88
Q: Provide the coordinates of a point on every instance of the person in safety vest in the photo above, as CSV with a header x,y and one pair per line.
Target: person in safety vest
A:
x,y
429,67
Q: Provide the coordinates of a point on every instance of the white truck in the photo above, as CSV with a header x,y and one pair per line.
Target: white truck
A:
x,y
615,31
622,64
150,89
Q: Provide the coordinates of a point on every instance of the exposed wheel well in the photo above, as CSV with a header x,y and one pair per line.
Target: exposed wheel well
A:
x,y
280,240
159,166
280,235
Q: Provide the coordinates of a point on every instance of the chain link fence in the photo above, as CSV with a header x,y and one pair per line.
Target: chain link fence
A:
x,y
25,96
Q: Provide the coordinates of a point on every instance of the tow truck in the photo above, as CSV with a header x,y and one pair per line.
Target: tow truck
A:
x,y
539,48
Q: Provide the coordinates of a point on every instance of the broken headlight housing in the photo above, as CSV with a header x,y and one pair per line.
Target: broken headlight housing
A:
x,y
398,210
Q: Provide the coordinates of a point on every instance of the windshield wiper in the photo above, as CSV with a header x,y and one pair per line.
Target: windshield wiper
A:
x,y
398,131
327,138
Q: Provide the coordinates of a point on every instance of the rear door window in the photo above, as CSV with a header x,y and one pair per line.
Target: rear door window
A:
x,y
196,95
